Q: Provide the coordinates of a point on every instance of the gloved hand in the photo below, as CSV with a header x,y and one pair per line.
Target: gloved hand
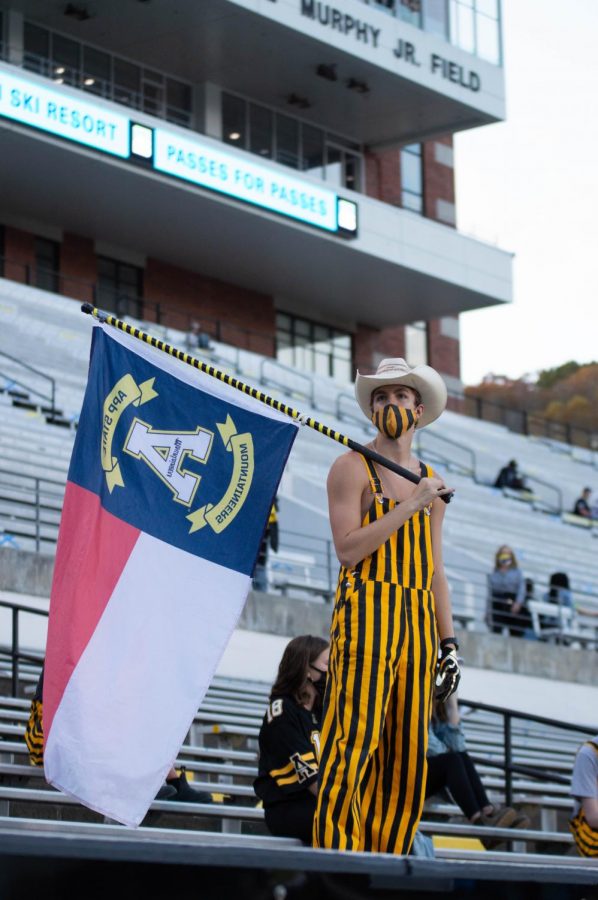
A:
x,y
448,673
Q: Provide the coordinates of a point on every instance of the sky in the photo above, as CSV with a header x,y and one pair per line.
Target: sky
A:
x,y
530,186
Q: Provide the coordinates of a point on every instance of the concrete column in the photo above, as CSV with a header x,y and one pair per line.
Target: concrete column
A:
x,y
213,110
15,37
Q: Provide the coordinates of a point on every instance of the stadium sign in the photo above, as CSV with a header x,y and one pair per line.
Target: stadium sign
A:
x,y
204,164
64,115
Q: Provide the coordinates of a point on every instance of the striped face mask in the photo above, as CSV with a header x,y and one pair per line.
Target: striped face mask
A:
x,y
393,421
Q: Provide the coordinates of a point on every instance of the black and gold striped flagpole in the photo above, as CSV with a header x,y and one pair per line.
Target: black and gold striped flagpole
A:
x,y
252,392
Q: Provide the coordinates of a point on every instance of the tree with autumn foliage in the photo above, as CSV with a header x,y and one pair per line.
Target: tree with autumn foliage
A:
x,y
566,394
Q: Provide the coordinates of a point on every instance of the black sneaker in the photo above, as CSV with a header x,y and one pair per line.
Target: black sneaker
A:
x,y
184,793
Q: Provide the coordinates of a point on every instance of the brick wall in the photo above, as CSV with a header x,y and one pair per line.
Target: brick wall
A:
x,y
439,180
383,181
443,350
19,254
78,267
232,314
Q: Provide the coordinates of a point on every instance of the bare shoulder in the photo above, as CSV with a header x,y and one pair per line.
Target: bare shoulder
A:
x,y
348,466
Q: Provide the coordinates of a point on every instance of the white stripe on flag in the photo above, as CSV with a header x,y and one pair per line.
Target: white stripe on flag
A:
x,y
132,697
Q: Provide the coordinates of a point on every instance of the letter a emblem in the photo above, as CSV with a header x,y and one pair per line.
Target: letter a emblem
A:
x,y
166,451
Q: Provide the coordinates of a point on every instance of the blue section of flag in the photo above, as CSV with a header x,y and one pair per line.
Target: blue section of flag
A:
x,y
146,501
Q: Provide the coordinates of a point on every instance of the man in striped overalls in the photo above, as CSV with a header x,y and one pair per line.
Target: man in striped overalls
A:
x,y
392,606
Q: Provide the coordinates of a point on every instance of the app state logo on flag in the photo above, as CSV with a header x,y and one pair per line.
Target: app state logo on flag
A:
x,y
176,460
166,453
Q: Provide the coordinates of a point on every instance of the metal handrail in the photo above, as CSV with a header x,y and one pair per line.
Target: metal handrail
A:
x,y
280,366
508,715
109,90
19,362
15,653
443,439
551,487
529,419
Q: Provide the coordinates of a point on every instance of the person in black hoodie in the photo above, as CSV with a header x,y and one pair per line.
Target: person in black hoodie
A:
x,y
289,739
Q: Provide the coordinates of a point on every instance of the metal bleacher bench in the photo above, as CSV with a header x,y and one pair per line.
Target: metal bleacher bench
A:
x,y
562,624
570,518
289,569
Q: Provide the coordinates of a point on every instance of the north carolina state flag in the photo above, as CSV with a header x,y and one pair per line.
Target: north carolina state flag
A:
x,y
171,481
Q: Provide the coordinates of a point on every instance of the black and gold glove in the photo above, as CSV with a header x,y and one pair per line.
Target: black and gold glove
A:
x,y
448,673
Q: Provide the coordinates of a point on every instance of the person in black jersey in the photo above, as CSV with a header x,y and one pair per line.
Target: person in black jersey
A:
x,y
289,740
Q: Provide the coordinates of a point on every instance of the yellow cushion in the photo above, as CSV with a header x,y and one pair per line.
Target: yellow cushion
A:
x,y
450,842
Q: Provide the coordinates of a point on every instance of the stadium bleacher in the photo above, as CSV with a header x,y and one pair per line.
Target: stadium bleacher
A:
x,y
220,751
51,331
220,755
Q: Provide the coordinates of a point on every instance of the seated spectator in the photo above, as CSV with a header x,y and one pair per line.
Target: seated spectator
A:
x,y
287,781
582,504
506,595
196,338
450,767
510,477
584,790
177,788
558,593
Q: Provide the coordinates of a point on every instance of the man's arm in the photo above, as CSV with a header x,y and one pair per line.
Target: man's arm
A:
x,y
346,482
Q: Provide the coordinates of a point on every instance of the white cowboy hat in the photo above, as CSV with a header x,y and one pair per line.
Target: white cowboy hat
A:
x,y
424,379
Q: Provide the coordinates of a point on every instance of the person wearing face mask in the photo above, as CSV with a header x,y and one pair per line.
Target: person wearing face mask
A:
x,y
392,613
506,595
289,739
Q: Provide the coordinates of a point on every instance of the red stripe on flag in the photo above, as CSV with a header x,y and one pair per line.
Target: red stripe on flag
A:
x,y
93,549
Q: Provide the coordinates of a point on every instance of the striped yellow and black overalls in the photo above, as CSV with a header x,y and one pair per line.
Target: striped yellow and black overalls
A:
x,y
384,647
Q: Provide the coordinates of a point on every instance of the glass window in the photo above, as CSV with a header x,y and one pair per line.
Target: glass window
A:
x,y
387,5
465,32
313,347
66,60
70,62
334,166
152,93
352,172
488,8
410,11
127,83
178,102
322,349
120,287
412,186
37,48
46,264
234,125
487,39
435,17
475,27
416,344
260,130
312,150
287,141
96,75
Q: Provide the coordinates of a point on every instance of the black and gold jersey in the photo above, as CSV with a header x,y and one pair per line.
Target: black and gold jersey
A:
x,y
289,750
